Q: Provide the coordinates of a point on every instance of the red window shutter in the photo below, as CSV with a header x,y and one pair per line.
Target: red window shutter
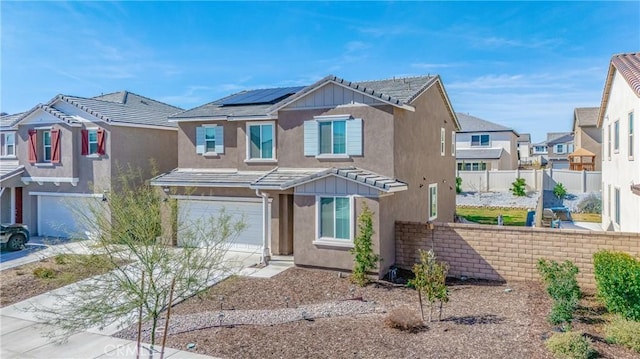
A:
x,y
55,146
101,136
85,143
33,157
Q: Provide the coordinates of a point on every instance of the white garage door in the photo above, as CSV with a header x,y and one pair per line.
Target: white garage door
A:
x,y
57,219
190,212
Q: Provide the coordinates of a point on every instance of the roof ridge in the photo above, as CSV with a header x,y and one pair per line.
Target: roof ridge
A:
x,y
126,93
394,78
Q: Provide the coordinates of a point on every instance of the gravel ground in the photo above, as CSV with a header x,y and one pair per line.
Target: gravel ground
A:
x,y
481,320
508,200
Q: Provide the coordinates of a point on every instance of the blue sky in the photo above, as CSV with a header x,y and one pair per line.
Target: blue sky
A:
x,y
523,65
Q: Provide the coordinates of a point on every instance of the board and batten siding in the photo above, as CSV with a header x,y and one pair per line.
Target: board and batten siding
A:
x,y
336,186
332,95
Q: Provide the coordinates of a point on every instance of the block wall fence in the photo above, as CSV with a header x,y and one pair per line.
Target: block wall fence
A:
x,y
507,253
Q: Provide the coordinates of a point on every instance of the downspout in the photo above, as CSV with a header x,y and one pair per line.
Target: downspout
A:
x,y
266,233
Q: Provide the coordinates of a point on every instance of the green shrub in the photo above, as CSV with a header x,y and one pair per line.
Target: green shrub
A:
x,y
624,332
44,273
559,191
571,345
563,288
518,188
618,282
430,280
458,184
61,259
591,204
364,258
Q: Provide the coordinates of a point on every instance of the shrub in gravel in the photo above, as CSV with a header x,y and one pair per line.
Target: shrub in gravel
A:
x,y
518,188
458,185
571,345
560,191
624,332
618,282
430,280
61,259
563,288
404,319
591,204
364,258
44,273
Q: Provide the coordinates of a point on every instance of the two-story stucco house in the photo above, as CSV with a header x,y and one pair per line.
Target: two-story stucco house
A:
x,y
482,145
620,160
587,139
300,163
10,170
74,148
559,146
524,149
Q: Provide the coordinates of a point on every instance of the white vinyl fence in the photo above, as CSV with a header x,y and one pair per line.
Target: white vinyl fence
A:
x,y
535,180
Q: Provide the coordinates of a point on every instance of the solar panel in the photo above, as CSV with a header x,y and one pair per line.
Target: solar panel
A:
x,y
261,96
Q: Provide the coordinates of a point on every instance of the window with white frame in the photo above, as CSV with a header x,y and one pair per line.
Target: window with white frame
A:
x,y
333,137
616,136
8,144
480,140
609,201
631,135
433,201
609,142
616,203
559,148
334,218
210,139
472,166
92,137
260,141
46,146
453,143
540,149
442,141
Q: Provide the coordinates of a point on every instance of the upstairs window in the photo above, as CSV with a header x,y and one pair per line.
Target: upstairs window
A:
x,y
333,136
93,142
433,201
559,148
480,140
631,135
453,143
209,140
609,142
44,145
616,136
260,144
443,145
8,144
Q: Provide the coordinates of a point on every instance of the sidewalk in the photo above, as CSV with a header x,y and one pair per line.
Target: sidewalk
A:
x,y
21,334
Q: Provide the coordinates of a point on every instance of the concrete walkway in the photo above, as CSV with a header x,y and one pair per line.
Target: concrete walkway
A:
x,y
22,335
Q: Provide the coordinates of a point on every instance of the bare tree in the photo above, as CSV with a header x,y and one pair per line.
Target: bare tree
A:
x,y
125,226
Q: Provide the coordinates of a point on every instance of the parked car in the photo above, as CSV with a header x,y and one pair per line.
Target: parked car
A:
x,y
14,236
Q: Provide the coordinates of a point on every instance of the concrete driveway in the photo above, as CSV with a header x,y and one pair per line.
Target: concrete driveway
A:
x,y
38,248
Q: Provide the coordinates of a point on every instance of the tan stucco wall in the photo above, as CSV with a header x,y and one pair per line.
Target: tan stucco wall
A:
x,y
418,160
70,143
590,138
304,228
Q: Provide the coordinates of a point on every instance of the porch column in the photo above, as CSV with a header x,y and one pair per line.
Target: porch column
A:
x,y
13,205
266,232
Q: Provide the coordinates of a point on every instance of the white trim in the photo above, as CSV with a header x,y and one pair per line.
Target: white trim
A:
x,y
63,194
57,180
151,127
329,241
430,199
44,128
332,117
201,184
225,118
453,143
248,159
331,156
335,243
218,198
443,141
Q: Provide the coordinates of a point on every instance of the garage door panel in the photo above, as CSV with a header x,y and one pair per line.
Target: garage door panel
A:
x,y
191,212
57,216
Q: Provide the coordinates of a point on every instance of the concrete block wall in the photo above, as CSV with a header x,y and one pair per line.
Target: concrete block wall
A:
x,y
507,253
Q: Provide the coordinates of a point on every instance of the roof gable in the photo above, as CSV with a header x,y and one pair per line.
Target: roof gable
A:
x,y
138,101
470,123
585,117
628,65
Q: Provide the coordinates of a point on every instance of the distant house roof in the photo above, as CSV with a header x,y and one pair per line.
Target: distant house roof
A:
x,y
264,103
565,138
628,65
138,101
470,123
585,117
525,137
10,120
478,153
132,113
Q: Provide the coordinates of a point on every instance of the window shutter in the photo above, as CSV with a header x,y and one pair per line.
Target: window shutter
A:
x,y
354,137
219,139
311,138
55,146
101,136
85,143
33,157
200,140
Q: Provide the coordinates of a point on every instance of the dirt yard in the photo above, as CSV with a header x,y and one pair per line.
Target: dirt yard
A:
x,y
481,320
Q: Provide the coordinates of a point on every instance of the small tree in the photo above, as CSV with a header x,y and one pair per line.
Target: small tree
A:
x,y
430,281
127,229
458,185
518,188
364,259
559,191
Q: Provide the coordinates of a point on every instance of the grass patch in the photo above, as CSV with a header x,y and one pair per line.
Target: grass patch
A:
x,y
484,215
587,217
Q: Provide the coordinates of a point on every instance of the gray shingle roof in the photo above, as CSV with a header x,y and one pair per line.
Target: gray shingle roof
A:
x,y
138,101
524,137
470,123
10,169
214,109
587,116
479,154
276,179
564,138
10,120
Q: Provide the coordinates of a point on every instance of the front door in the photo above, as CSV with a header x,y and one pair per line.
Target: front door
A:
x,y
18,208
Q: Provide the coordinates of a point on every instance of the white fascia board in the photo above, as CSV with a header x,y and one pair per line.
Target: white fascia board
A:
x,y
73,180
151,127
62,194
226,118
200,184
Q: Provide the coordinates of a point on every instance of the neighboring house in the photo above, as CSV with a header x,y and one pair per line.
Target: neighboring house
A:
x,y
10,170
621,161
524,149
73,149
301,162
483,145
539,153
587,136
559,146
